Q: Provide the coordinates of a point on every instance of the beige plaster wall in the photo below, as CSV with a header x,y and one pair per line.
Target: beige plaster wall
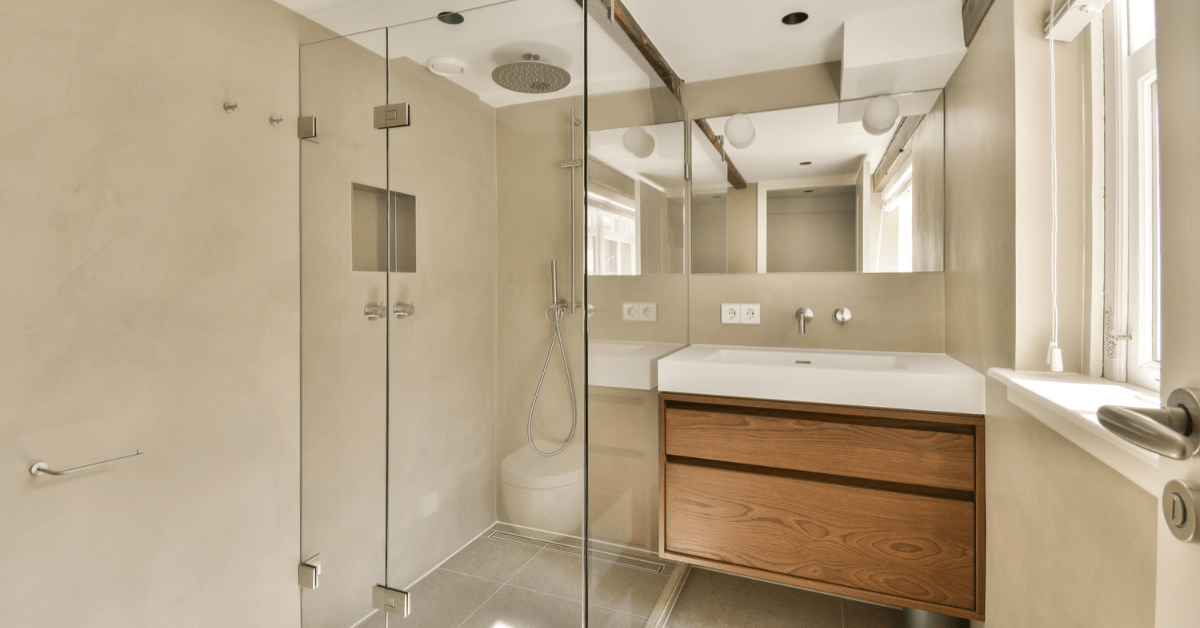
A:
x,y
534,220
817,234
892,312
1071,542
763,91
981,197
151,301
607,293
741,219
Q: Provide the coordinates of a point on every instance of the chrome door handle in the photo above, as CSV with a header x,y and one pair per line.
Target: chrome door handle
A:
x,y
1173,431
402,309
374,311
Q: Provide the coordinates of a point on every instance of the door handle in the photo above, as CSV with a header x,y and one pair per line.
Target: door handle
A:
x,y
1173,431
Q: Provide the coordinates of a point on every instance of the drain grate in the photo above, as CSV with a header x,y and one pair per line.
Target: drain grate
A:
x,y
561,548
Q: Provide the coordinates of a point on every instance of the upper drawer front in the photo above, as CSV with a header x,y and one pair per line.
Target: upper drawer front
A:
x,y
912,546
925,458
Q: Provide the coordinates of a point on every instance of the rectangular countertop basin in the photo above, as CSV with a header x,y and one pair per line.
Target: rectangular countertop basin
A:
x,y
932,382
622,364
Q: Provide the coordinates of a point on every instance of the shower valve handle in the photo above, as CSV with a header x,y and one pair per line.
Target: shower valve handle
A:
x,y
374,311
402,309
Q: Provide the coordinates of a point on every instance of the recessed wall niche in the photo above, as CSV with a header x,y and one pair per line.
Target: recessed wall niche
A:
x,y
369,213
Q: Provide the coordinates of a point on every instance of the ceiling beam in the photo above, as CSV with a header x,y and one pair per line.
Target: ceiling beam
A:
x,y
973,12
665,72
735,177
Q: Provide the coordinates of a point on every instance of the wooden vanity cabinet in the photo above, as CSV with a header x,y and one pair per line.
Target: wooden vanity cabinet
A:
x,y
877,504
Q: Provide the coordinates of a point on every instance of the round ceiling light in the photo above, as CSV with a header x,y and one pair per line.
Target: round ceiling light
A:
x,y
880,115
638,142
445,66
450,17
739,131
792,19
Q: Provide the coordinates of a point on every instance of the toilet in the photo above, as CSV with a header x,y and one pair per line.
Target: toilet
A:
x,y
545,493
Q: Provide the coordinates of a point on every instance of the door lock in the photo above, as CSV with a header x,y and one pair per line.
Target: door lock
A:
x,y
1179,501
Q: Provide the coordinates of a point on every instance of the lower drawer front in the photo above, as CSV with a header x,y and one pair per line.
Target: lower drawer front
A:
x,y
912,546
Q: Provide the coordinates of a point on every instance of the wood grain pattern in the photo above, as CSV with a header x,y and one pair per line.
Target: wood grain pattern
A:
x,y
731,172
909,456
909,546
948,418
980,522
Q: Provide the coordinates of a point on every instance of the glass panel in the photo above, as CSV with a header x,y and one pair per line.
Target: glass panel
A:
x,y
637,297
343,353
490,170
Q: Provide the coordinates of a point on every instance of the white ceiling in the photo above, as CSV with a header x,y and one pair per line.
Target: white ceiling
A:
x,y
708,39
702,39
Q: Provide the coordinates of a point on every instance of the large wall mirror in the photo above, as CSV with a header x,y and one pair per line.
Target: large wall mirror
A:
x,y
635,200
809,189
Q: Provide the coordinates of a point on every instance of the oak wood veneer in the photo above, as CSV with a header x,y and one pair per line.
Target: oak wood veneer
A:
x,y
883,505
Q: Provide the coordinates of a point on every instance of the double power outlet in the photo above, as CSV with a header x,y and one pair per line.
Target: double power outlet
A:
x,y
740,313
644,312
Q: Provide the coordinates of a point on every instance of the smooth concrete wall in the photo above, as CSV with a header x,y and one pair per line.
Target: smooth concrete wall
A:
x,y
151,301
892,312
442,364
741,220
981,197
929,190
608,293
817,234
534,223
1070,542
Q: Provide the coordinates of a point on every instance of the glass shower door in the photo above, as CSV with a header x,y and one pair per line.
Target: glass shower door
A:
x,y
343,275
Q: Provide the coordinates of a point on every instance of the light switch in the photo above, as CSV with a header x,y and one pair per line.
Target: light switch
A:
x,y
631,312
731,313
649,312
749,313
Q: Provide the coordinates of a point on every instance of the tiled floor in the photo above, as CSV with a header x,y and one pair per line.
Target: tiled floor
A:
x,y
521,578
513,577
711,599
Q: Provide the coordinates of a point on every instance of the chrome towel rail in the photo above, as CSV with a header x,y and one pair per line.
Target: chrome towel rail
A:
x,y
41,468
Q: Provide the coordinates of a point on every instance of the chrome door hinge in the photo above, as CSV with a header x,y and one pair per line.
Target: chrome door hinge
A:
x,y
391,116
309,572
392,601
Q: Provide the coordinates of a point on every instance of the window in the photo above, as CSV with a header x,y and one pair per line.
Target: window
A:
x,y
898,202
612,235
1133,330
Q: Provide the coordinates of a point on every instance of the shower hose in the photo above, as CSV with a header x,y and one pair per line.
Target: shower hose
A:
x,y
556,311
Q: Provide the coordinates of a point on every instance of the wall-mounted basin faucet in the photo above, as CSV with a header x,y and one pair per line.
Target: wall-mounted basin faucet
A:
x,y
803,315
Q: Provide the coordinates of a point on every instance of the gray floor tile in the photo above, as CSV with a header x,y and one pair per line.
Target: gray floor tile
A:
x,y
569,541
376,620
624,589
445,598
529,532
863,615
522,608
718,600
554,573
601,618
491,558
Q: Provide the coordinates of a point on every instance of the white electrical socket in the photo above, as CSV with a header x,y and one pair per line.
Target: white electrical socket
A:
x,y
631,312
649,312
731,313
749,313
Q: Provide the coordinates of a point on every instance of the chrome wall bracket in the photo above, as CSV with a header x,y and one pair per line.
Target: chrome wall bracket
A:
x,y
392,116
392,601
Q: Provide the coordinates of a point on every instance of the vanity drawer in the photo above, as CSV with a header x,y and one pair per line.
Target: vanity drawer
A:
x,y
923,454
897,544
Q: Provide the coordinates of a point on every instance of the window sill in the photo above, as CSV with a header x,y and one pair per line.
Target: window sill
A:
x,y
1067,403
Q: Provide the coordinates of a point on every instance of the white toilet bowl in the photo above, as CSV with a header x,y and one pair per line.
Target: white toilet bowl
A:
x,y
543,492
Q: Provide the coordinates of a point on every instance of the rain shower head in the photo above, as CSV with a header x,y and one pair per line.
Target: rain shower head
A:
x,y
531,76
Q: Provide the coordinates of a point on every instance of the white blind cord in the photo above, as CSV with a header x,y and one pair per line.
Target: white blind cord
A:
x,y
1054,354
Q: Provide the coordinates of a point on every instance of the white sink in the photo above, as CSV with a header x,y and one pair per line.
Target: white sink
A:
x,y
626,364
912,381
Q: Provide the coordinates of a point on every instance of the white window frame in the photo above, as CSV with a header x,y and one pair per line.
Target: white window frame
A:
x,y
1131,259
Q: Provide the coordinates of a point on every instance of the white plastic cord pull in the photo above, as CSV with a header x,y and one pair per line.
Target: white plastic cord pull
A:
x,y
1054,358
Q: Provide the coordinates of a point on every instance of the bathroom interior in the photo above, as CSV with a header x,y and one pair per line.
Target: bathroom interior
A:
x,y
610,313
